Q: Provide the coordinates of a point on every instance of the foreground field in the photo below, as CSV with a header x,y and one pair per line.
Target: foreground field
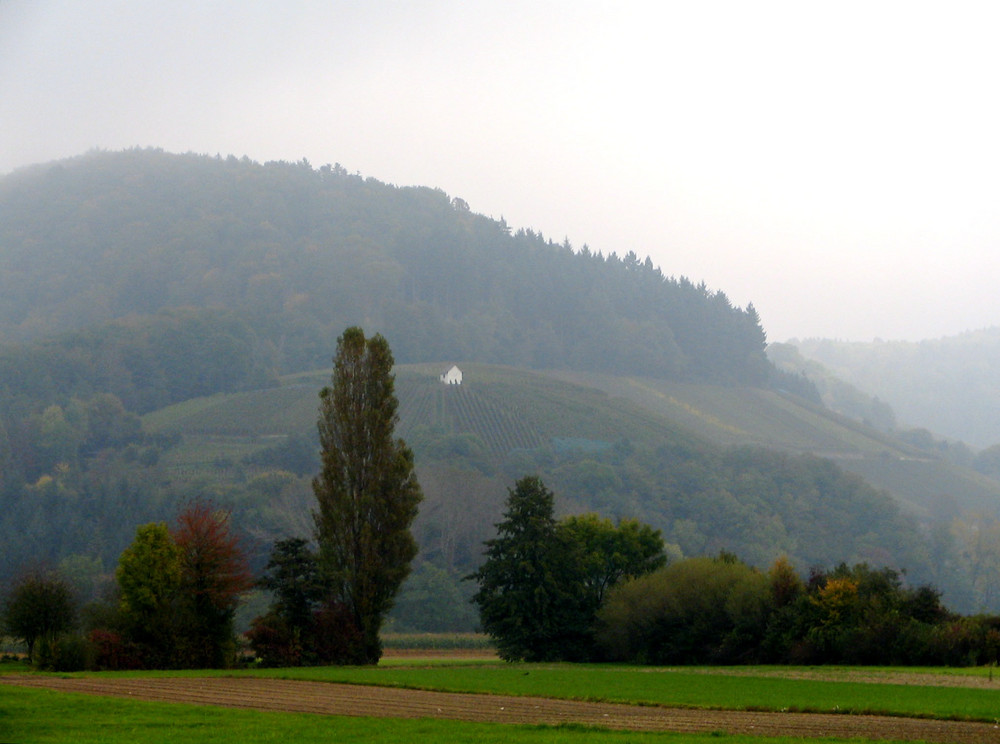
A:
x,y
956,696
369,701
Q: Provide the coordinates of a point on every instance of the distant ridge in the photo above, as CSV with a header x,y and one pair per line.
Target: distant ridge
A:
x,y
299,253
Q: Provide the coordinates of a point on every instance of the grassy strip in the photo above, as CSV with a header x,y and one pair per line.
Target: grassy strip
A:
x,y
41,716
654,686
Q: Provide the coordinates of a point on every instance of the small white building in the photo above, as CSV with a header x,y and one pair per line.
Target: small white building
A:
x,y
452,377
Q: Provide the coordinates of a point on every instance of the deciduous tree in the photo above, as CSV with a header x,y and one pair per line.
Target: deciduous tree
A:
x,y
149,579
367,491
214,573
39,606
611,553
179,589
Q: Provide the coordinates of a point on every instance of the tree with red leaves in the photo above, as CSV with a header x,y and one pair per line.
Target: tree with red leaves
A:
x,y
214,573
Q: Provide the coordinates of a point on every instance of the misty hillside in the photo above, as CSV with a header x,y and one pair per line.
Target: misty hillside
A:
x,y
296,254
597,451
950,386
163,318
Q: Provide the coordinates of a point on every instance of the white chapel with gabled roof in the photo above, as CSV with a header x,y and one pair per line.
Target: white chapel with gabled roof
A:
x,y
453,376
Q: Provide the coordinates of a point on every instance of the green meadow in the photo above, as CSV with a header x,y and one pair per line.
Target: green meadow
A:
x,y
737,689
39,717
29,715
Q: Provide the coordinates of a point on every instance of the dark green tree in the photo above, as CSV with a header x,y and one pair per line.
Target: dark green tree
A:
x,y
611,553
292,576
367,490
531,595
40,606
285,636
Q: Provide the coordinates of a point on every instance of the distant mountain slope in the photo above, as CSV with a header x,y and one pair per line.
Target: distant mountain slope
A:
x,y
835,393
924,481
499,410
950,386
298,254
505,409
620,457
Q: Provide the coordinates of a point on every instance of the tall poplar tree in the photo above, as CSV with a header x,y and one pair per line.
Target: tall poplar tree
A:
x,y
367,491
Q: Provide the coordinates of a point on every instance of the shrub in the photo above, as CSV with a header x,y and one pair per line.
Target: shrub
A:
x,y
700,610
69,652
273,642
114,653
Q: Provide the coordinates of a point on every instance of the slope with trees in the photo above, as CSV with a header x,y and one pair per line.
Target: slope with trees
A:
x,y
129,281
300,253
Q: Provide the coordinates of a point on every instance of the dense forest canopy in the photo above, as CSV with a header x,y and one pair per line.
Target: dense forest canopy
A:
x,y
298,253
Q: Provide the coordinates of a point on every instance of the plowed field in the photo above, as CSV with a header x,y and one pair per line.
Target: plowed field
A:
x,y
356,700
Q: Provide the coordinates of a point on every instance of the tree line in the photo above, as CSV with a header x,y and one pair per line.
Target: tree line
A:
x,y
577,589
583,590
176,590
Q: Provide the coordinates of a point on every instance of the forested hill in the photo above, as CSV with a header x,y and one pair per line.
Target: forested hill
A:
x,y
290,255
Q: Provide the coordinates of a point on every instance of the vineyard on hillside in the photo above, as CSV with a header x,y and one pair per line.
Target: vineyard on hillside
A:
x,y
465,409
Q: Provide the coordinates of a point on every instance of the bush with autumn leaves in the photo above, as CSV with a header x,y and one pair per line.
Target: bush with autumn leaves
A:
x,y
722,611
176,594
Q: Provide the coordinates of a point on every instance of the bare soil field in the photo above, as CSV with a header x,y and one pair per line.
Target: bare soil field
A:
x,y
357,700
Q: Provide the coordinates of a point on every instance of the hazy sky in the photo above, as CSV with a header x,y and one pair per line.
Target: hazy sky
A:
x,y
836,164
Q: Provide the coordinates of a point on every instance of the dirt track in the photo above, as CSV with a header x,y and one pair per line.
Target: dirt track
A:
x,y
355,700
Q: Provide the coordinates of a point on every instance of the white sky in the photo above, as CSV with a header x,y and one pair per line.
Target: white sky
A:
x,y
837,164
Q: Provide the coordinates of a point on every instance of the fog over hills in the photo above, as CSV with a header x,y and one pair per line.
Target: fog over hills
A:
x,y
299,253
950,386
166,321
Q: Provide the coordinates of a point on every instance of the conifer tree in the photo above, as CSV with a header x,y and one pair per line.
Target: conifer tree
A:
x,y
531,594
367,491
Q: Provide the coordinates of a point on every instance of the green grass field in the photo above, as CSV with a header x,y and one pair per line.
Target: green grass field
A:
x,y
688,688
42,716
39,716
